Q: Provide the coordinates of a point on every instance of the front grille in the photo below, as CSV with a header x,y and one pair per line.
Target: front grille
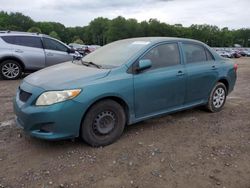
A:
x,y
24,96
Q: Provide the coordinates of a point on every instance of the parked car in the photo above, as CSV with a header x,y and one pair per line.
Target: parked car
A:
x,y
92,48
78,47
122,83
236,54
84,49
244,52
25,52
224,53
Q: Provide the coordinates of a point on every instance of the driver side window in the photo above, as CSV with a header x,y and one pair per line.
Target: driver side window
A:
x,y
163,55
51,44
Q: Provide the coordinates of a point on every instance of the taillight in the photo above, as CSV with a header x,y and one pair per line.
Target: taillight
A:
x,y
235,67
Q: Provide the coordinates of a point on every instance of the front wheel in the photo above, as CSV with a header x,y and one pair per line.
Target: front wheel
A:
x,y
103,123
217,98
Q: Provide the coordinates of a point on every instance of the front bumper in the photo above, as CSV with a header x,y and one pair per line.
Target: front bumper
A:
x,y
54,122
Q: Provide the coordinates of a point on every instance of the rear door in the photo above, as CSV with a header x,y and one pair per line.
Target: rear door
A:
x,y
163,86
29,49
201,70
55,52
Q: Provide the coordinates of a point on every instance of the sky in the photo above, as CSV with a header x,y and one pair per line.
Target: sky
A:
x,y
223,13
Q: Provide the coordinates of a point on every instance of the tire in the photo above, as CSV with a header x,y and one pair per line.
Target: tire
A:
x,y
217,98
103,123
10,70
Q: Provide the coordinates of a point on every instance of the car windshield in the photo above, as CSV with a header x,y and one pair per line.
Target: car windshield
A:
x,y
116,53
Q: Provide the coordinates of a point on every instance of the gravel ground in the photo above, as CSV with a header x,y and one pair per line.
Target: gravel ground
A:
x,y
192,148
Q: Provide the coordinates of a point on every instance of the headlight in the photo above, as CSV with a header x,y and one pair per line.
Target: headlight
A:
x,y
52,97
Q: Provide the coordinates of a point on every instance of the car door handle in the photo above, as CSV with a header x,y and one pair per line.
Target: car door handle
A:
x,y
18,51
214,67
180,73
49,54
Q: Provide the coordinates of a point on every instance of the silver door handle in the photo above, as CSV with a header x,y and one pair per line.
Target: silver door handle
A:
x,y
18,51
49,54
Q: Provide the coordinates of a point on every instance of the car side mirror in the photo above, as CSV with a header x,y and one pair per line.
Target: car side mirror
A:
x,y
144,64
71,50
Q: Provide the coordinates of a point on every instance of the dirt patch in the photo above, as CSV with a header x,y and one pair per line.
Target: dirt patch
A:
x,y
192,148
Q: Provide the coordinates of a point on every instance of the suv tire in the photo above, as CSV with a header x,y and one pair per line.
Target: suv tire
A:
x,y
10,70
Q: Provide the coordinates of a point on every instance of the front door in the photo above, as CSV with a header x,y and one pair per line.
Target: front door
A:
x,y
163,86
55,52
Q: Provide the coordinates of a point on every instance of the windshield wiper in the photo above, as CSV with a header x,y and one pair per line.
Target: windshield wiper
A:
x,y
86,63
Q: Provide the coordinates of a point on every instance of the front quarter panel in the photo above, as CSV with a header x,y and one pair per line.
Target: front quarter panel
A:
x,y
117,84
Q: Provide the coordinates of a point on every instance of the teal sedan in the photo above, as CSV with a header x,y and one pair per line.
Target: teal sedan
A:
x,y
122,83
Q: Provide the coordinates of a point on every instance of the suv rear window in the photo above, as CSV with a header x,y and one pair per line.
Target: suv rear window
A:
x,y
28,41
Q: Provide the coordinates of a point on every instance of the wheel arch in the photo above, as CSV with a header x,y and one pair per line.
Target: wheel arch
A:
x,y
225,82
117,99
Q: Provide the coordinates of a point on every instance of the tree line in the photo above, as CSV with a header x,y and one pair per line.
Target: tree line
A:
x,y
101,30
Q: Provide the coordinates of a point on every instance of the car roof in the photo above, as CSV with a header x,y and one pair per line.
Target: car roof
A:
x,y
19,33
161,39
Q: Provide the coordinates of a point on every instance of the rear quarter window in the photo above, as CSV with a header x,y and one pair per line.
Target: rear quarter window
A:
x,y
9,39
210,57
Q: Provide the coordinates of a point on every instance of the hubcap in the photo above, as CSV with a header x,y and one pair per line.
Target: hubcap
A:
x,y
219,97
104,122
10,70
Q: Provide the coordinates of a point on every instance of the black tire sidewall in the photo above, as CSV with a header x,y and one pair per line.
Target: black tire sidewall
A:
x,y
87,132
211,106
10,61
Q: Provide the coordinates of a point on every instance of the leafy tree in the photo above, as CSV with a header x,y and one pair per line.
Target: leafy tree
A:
x,y
54,35
19,21
35,30
78,41
3,20
97,31
117,29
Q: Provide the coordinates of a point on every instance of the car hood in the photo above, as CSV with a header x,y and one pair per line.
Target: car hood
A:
x,y
65,76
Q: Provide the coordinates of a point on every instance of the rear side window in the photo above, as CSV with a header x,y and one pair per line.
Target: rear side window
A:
x,y
51,44
9,39
28,41
209,56
195,53
163,55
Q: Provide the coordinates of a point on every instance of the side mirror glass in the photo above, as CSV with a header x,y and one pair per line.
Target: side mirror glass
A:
x,y
144,64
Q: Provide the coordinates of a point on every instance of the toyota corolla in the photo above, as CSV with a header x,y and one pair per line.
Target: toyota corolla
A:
x,y
122,83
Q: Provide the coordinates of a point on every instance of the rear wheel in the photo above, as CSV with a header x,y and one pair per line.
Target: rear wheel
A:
x,y
217,98
10,70
103,123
